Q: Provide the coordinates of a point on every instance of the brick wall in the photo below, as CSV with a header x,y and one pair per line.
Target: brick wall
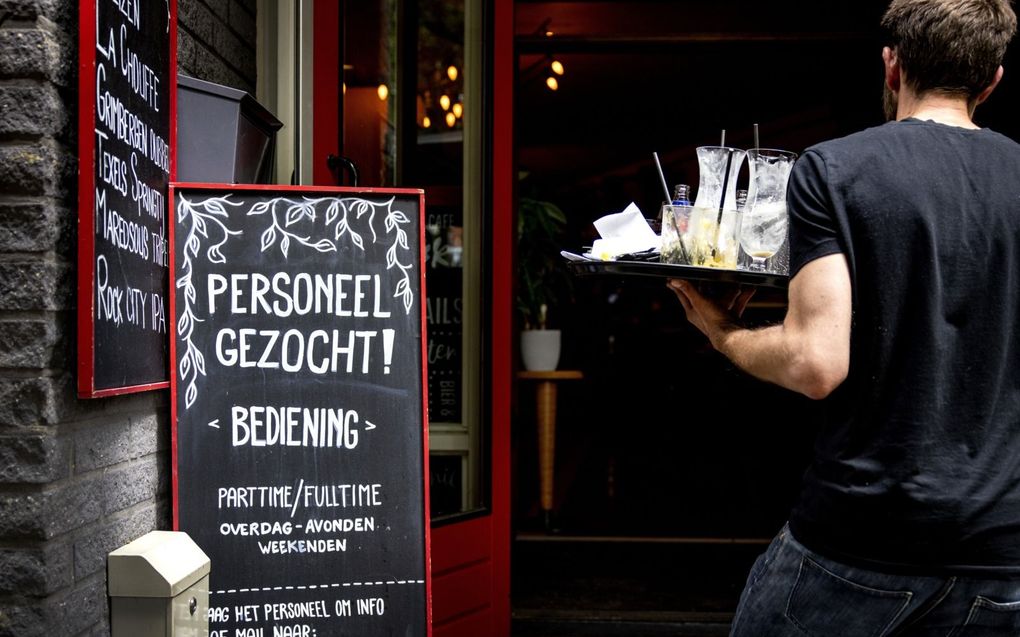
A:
x,y
78,478
216,41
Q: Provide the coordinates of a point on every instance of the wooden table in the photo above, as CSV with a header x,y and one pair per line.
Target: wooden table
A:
x,y
545,403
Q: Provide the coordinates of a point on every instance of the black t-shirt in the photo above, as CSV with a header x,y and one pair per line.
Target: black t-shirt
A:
x,y
917,465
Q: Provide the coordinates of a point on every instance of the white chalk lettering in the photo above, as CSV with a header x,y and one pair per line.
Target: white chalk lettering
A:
x,y
125,235
256,528
345,295
320,352
135,307
148,199
109,298
285,497
303,546
125,125
141,78
341,495
158,314
265,426
342,525
131,10
371,606
112,169
159,248
294,610
249,497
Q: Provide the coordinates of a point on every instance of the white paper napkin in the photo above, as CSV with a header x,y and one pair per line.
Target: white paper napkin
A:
x,y
623,233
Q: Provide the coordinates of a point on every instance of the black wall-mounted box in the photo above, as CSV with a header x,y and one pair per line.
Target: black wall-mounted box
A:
x,y
223,135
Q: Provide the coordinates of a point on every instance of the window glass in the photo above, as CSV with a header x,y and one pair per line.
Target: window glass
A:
x,y
411,106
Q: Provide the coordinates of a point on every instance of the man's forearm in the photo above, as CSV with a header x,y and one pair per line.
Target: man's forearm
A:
x,y
809,353
777,355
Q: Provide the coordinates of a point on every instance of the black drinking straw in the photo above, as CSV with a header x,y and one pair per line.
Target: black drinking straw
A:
x,y
662,176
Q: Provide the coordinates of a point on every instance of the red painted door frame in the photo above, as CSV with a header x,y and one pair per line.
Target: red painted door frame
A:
x,y
470,559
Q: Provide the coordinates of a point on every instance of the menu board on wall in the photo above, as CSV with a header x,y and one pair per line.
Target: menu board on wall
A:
x,y
300,430
444,307
127,80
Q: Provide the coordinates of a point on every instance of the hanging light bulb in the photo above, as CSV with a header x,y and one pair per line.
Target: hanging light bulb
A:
x,y
458,110
444,101
552,83
452,73
451,119
426,122
383,92
557,67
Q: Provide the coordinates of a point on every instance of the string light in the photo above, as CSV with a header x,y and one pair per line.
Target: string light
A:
x,y
451,119
557,67
426,122
458,110
451,72
383,91
552,83
444,101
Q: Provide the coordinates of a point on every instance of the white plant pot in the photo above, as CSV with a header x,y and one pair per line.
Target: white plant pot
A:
x,y
540,350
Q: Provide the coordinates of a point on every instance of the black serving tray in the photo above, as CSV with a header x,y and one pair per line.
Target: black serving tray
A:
x,y
676,271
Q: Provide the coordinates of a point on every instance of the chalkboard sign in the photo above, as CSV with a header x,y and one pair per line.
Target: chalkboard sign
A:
x,y
127,86
300,431
443,311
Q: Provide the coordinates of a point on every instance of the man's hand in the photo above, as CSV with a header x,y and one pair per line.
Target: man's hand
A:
x,y
713,318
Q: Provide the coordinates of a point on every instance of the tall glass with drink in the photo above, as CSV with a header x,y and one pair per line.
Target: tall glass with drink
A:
x,y
712,231
764,220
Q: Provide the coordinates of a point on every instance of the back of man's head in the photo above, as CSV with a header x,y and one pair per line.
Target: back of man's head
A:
x,y
953,47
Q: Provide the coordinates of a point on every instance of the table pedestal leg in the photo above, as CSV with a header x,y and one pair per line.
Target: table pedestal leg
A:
x,y
546,404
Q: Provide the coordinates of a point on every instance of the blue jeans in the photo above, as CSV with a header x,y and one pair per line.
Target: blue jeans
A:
x,y
793,591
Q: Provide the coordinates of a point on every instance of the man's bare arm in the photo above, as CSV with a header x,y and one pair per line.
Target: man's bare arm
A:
x,y
809,352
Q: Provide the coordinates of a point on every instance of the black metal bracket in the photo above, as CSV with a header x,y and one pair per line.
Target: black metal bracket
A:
x,y
335,163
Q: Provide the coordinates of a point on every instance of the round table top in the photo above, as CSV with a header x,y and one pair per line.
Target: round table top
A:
x,y
559,374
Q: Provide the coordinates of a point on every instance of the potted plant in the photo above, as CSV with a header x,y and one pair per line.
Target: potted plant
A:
x,y
542,280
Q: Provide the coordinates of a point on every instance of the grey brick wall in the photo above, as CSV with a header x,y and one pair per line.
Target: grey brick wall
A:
x,y
216,41
78,478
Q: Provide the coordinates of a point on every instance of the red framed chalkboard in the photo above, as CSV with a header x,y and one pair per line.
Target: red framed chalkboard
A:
x,y
299,405
126,135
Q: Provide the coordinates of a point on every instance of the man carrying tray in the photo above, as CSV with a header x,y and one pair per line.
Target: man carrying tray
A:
x,y
904,317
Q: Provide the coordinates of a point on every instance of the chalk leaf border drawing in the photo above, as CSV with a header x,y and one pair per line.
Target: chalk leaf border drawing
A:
x,y
341,220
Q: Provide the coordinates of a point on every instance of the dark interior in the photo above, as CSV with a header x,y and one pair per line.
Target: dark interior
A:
x,y
664,441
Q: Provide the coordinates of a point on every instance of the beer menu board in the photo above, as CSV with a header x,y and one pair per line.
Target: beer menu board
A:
x,y
126,86
300,445
444,274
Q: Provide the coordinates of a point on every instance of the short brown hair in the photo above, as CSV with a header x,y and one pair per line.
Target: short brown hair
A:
x,y
949,46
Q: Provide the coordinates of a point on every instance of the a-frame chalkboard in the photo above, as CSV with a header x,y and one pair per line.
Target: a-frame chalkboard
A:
x,y
300,433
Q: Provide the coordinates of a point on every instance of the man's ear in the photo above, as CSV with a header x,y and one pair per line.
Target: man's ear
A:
x,y
983,95
892,69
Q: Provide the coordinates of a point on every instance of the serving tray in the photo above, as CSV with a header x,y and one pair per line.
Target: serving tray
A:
x,y
676,271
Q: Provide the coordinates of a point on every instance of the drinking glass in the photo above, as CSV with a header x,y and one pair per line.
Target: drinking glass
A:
x,y
675,234
764,220
712,235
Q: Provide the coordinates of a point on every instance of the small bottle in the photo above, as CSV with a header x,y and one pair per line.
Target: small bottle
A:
x,y
741,199
682,195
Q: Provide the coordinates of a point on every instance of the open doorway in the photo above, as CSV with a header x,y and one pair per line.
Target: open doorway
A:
x,y
672,469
